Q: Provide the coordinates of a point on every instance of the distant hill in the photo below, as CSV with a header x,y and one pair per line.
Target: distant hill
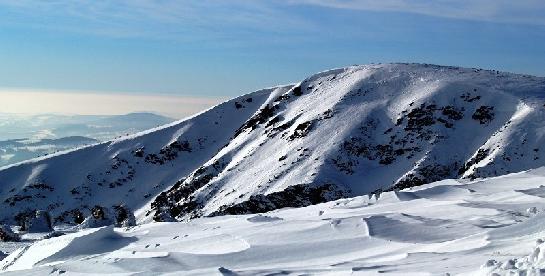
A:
x,y
25,137
17,150
14,126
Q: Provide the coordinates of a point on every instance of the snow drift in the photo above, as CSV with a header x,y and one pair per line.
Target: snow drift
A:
x,y
456,227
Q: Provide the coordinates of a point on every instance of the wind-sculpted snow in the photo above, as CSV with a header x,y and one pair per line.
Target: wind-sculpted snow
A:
x,y
452,226
339,133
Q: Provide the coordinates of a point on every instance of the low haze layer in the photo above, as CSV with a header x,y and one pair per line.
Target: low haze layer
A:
x,y
88,103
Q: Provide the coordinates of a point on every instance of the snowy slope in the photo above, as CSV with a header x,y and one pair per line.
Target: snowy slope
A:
x,y
129,171
361,129
339,133
451,226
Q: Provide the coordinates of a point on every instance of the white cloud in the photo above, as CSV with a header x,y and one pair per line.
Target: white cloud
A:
x,y
508,11
88,103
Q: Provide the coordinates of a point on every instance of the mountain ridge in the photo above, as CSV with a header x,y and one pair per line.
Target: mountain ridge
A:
x,y
342,132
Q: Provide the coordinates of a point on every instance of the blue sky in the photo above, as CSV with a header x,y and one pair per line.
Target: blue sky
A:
x,y
212,48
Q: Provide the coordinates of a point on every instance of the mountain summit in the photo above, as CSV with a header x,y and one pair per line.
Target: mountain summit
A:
x,y
344,132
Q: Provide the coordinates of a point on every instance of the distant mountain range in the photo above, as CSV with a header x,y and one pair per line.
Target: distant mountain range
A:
x,y
15,126
17,150
23,137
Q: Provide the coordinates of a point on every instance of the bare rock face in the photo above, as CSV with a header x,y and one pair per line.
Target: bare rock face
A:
x,y
7,235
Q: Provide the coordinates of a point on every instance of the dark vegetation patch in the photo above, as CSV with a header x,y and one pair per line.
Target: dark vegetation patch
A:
x,y
293,196
484,114
168,153
328,114
239,105
415,130
467,97
453,113
36,190
426,174
406,138
480,156
301,130
420,117
178,200
274,121
262,116
274,131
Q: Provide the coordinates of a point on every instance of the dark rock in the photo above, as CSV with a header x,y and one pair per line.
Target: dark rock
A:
x,y
123,216
6,235
484,114
301,130
297,91
39,222
293,196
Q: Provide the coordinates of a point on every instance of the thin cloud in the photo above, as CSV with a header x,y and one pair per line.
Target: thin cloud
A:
x,y
506,11
231,21
180,20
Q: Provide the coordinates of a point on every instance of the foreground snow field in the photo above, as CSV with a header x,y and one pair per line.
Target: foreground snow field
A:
x,y
450,226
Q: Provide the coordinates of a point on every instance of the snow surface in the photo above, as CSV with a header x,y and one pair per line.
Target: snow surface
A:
x,y
451,226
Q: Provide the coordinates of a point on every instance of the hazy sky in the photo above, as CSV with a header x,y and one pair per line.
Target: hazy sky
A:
x,y
216,48
92,103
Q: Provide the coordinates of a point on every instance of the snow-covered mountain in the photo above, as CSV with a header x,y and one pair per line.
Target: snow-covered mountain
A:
x,y
339,133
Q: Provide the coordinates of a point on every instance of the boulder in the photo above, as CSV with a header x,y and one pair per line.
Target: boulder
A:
x,y
124,217
7,235
39,222
100,216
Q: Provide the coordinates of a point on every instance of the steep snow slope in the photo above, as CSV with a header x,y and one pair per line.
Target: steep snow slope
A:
x,y
451,226
361,129
129,171
339,133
